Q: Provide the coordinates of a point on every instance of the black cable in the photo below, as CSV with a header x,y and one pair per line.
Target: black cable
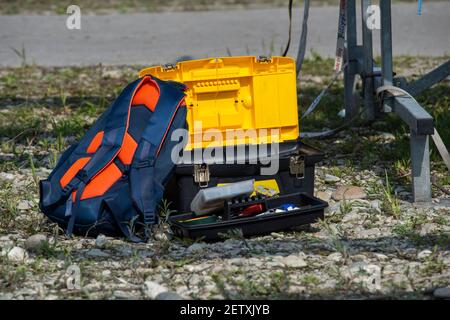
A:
x,y
290,28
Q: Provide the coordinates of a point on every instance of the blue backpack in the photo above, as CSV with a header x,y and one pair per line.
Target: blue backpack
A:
x,y
112,180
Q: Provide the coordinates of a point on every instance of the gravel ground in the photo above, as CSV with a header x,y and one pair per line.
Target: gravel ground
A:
x,y
373,244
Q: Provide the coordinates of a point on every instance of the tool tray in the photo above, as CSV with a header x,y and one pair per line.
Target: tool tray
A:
x,y
310,210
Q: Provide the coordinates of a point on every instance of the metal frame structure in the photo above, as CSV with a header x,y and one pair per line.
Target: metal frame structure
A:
x,y
360,63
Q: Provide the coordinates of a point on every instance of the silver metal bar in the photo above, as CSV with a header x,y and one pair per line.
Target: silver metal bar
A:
x,y
417,118
421,125
386,42
351,106
428,80
367,63
420,162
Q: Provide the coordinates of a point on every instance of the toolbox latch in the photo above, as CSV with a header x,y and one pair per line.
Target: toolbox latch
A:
x,y
297,166
168,67
201,174
263,59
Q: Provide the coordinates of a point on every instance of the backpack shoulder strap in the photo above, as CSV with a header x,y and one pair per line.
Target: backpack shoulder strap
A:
x,y
117,123
152,139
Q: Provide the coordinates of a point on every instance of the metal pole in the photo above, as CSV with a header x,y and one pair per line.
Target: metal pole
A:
x,y
420,161
428,80
367,71
386,49
351,107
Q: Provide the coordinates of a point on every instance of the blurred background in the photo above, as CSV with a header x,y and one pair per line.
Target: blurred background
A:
x,y
156,32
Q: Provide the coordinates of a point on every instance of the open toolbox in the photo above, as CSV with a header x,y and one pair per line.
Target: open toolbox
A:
x,y
266,218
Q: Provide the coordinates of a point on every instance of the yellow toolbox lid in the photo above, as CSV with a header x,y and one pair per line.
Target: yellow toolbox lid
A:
x,y
236,100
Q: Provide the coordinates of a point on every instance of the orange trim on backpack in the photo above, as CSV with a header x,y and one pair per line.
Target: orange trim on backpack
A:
x,y
95,143
127,125
129,146
101,183
73,170
148,94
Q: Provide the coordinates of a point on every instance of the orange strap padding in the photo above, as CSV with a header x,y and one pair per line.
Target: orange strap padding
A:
x,y
147,94
102,182
95,143
73,170
129,146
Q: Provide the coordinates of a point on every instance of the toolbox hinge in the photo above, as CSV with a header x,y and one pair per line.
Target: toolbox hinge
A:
x,y
201,174
297,166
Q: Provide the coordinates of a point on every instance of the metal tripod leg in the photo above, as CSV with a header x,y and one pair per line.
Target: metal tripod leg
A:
x,y
367,64
420,162
351,107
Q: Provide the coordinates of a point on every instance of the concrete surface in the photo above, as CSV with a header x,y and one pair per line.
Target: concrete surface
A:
x,y
163,37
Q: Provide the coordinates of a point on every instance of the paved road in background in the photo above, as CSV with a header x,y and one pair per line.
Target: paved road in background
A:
x,y
163,37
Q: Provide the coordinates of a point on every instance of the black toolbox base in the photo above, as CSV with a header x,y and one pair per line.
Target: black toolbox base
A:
x,y
311,209
182,188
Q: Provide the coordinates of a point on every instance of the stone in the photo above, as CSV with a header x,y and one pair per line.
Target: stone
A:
x,y
348,193
17,254
6,244
168,295
6,296
100,241
106,273
424,254
196,248
428,228
381,257
128,272
376,205
335,257
193,268
387,136
324,195
113,74
294,261
97,253
331,179
351,216
236,261
35,242
152,289
442,293
125,295
368,275
24,205
7,176
369,233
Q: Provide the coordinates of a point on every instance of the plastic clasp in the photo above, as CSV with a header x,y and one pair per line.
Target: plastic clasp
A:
x,y
82,176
